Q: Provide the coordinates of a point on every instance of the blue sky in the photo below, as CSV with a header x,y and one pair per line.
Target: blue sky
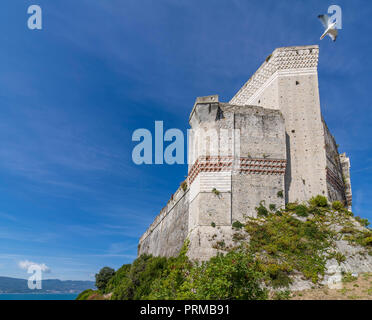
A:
x,y
72,94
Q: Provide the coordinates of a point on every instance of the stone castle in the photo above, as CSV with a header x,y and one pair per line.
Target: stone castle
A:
x,y
277,149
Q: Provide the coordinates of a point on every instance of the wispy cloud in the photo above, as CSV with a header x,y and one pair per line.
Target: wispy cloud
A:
x,y
26,264
27,235
7,216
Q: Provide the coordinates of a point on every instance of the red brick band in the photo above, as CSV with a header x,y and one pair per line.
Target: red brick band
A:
x,y
246,165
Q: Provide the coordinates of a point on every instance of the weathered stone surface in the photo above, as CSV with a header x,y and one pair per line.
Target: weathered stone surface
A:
x,y
167,234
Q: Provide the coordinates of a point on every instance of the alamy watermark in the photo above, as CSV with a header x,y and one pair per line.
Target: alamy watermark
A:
x,y
213,142
35,20
335,15
35,280
36,270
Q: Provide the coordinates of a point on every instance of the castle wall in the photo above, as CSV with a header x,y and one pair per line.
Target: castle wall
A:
x,y
262,165
168,232
211,207
249,190
335,183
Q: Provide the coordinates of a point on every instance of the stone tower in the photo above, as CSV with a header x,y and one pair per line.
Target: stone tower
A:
x,y
288,81
237,159
269,143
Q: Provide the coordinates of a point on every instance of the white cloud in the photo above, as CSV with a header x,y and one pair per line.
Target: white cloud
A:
x,y
25,264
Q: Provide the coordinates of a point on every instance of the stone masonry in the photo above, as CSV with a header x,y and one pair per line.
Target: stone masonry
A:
x,y
269,143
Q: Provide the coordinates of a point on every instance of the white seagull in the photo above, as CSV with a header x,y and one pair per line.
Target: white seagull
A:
x,y
330,28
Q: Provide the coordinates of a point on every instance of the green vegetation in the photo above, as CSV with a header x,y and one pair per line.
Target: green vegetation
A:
x,y
285,243
216,192
362,238
85,294
272,207
237,225
301,210
348,277
298,239
232,276
319,201
103,277
236,275
118,276
338,256
135,283
280,194
282,295
363,222
261,210
184,185
337,205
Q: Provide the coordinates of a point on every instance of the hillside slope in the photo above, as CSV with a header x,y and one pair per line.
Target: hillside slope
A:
x,y
299,247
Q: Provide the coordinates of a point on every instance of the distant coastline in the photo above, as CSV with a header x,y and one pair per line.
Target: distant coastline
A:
x,y
38,296
10,285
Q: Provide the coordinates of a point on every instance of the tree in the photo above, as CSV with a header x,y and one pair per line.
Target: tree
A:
x,y
103,277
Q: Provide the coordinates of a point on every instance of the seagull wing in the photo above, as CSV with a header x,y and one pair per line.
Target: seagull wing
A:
x,y
324,20
333,33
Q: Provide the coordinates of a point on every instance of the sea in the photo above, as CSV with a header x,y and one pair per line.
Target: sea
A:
x,y
38,296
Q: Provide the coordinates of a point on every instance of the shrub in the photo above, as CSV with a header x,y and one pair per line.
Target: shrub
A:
x,y
237,224
136,284
103,277
362,221
338,256
277,274
184,185
168,286
215,191
272,207
301,210
232,276
347,229
291,244
348,277
85,294
261,210
282,295
367,241
337,205
213,224
319,201
118,277
362,238
291,206
280,194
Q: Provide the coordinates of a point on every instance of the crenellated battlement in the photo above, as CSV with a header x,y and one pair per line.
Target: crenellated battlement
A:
x,y
283,61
